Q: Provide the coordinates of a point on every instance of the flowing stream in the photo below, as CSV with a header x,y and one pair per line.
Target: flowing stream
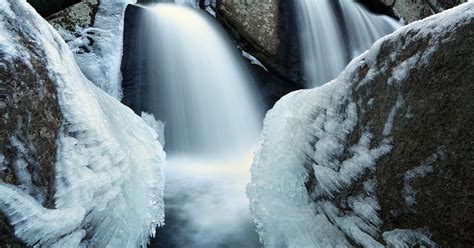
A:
x,y
195,82
190,76
333,32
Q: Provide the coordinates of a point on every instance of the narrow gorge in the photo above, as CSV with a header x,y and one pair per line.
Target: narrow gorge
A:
x,y
236,123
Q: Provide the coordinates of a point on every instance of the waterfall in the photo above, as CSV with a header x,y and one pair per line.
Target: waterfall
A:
x,y
334,32
190,76
196,84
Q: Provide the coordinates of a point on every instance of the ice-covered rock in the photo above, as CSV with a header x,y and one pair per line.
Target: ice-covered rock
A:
x,y
338,164
81,168
94,32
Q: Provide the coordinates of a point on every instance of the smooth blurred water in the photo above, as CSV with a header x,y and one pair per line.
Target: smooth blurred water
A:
x,y
196,83
334,32
200,88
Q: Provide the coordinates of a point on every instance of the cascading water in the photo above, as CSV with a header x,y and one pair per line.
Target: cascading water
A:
x,y
196,84
334,32
190,77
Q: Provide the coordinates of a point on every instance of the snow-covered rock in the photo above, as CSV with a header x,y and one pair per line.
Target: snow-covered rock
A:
x,y
380,156
78,167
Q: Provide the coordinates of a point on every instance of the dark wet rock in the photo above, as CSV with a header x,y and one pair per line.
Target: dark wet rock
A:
x,y
129,67
49,7
434,129
378,7
267,30
271,87
432,156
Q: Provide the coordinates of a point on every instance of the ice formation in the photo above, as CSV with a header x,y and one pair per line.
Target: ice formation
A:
x,y
253,60
312,184
408,238
158,126
101,65
409,194
108,173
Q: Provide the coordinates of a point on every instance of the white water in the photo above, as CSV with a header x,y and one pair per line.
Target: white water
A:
x,y
202,92
334,32
200,89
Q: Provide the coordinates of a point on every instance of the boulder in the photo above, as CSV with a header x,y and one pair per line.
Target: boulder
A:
x,y
411,10
81,15
265,29
381,156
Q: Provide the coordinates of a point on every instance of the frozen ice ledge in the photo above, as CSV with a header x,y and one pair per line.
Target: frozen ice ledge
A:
x,y
77,168
380,156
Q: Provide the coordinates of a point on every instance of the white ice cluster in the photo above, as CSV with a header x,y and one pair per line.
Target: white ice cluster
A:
x,y
313,184
409,194
253,60
101,65
157,125
108,173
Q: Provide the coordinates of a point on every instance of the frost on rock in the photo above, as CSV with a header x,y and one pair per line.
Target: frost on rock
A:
x,y
108,171
409,194
408,238
100,62
314,178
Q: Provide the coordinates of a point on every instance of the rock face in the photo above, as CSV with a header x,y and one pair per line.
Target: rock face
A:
x,y
428,178
383,155
49,7
258,21
411,10
266,29
81,14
